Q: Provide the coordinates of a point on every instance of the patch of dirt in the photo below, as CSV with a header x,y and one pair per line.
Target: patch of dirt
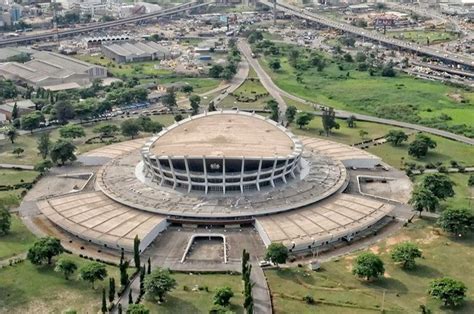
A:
x,y
375,249
387,275
431,236
397,239
456,97
63,301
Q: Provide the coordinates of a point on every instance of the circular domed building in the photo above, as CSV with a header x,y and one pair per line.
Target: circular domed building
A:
x,y
222,152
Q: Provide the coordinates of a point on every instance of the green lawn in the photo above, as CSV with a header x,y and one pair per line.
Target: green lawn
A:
x,y
401,97
17,241
461,190
11,177
422,36
11,198
250,95
38,289
29,144
181,301
445,151
336,290
344,134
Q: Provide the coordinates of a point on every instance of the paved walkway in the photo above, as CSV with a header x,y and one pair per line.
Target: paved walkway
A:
x,y
273,89
260,292
15,166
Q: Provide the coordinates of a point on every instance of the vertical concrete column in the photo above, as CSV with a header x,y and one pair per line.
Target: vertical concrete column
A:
x,y
161,171
273,172
284,170
258,173
242,175
188,175
223,175
172,172
205,174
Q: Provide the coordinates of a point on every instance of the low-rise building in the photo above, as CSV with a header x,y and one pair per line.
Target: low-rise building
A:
x,y
24,106
49,69
135,51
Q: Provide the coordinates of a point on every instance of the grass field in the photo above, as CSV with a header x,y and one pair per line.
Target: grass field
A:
x,y
357,91
38,289
445,151
17,241
462,192
252,90
197,302
28,142
422,36
344,134
336,290
11,177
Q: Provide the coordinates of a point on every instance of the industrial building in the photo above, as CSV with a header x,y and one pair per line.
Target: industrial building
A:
x,y
135,51
52,71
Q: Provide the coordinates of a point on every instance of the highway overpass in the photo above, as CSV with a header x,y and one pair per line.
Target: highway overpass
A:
x,y
448,57
99,26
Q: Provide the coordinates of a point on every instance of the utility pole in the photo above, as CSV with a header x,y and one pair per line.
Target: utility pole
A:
x,y
274,12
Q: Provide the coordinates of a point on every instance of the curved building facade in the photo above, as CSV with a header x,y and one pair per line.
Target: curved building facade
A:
x,y
222,152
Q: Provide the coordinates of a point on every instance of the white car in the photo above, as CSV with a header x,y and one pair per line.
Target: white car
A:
x,y
265,263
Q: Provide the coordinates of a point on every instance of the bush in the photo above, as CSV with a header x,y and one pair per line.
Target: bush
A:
x,y
308,299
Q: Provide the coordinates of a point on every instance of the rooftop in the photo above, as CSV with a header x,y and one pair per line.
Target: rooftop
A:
x,y
224,134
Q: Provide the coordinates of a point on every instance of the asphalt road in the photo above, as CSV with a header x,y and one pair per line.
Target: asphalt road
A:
x,y
274,90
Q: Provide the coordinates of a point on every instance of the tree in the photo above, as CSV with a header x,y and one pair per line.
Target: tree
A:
x,y
130,128
351,121
72,131
223,296
158,283
195,101
111,289
136,251
406,253
439,184
363,133
423,199
169,99
92,272
178,117
303,119
470,181
137,309
329,120
211,107
85,110
11,133
277,253
63,151
368,265
272,105
31,121
64,111
227,74
188,89
274,64
106,130
65,266
215,71
142,279
44,145
15,113
420,146
293,56
104,302
360,57
149,266
123,270
5,220
458,221
43,166
396,137
290,113
451,292
44,249
388,70
18,151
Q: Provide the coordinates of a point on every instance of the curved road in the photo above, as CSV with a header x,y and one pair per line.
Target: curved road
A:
x,y
273,89
371,35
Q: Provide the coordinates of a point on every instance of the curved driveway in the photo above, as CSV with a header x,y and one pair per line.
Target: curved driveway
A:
x,y
273,89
